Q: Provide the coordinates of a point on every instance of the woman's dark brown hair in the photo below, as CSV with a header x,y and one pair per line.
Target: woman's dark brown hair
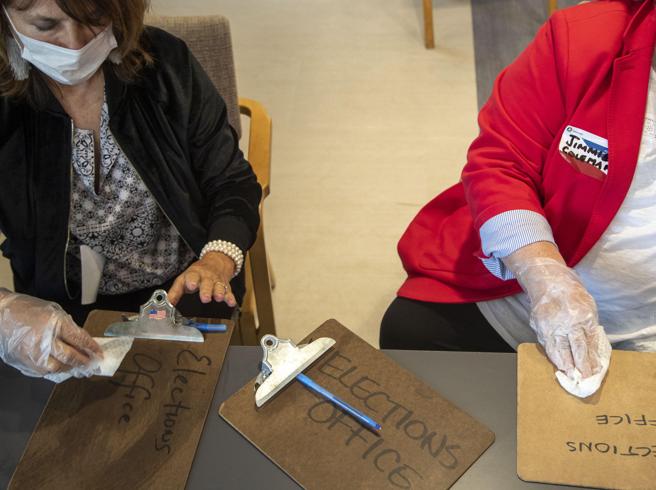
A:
x,y
127,18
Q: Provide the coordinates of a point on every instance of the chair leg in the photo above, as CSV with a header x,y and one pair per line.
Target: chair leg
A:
x,y
247,329
236,338
246,324
272,273
553,6
428,24
262,285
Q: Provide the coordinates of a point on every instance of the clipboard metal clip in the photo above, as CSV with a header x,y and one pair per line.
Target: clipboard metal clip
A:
x,y
158,319
283,362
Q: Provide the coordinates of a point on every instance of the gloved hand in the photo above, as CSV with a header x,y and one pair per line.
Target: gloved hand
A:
x,y
564,317
39,338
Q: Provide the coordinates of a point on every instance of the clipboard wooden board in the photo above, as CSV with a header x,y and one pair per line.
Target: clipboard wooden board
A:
x,y
607,440
426,442
138,429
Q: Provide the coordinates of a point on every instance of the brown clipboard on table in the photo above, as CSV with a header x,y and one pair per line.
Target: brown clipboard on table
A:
x,y
604,441
138,429
426,441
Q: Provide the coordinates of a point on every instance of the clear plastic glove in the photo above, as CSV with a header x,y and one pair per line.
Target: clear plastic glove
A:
x,y
40,339
564,317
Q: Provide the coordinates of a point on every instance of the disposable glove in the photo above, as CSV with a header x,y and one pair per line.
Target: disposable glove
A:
x,y
39,338
564,317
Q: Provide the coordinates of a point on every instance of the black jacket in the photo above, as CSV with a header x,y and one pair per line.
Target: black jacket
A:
x,y
172,125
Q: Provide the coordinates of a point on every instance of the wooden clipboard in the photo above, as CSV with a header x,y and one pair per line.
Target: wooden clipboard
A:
x,y
607,440
426,442
139,429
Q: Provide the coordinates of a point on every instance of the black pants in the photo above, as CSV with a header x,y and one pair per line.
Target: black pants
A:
x,y
419,325
189,305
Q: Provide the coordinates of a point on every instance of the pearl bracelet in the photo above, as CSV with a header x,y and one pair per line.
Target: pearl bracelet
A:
x,y
226,248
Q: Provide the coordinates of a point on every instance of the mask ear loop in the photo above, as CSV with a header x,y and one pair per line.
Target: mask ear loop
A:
x,y
19,67
12,28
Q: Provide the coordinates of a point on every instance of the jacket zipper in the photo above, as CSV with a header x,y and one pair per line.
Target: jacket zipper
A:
x,y
154,198
68,217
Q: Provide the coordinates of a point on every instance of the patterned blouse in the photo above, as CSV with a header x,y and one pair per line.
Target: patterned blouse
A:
x,y
122,222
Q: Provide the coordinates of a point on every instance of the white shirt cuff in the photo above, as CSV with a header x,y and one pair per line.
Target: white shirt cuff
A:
x,y
506,233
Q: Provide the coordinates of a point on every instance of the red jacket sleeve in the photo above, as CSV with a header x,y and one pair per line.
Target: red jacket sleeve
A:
x,y
518,125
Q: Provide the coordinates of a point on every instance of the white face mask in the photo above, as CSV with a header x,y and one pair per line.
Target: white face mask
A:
x,y
66,66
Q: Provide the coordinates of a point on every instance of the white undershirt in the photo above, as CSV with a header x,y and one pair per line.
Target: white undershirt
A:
x,y
619,271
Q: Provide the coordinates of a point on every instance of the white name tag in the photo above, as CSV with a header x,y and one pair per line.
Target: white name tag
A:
x,y
578,146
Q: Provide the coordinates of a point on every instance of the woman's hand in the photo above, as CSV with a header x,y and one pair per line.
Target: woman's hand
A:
x,y
209,276
564,317
38,338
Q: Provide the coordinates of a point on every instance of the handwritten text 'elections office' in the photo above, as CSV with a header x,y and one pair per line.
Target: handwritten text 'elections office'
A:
x,y
386,411
139,382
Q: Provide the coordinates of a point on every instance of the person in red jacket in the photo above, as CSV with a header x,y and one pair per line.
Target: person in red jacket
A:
x,y
550,234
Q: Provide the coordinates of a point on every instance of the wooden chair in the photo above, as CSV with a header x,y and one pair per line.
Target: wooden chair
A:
x,y
209,39
429,38
553,6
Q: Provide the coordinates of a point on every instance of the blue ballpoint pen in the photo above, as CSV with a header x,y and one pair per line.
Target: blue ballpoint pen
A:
x,y
210,327
354,412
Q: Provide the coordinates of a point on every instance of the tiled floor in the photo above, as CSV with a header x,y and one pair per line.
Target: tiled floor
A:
x,y
368,126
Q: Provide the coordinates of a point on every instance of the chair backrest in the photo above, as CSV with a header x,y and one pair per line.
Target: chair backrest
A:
x,y
209,39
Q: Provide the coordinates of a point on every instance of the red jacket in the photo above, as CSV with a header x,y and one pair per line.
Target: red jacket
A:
x,y
588,67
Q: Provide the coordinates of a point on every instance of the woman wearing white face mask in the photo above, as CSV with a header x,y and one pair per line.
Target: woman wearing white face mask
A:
x,y
119,174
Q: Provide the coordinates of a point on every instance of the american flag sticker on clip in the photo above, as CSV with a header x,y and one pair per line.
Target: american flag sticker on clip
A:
x,y
157,314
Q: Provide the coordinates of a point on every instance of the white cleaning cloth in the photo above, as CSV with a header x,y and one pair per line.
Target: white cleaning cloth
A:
x,y
584,387
114,350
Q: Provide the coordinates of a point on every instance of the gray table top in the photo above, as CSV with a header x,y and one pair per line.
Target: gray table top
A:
x,y
482,384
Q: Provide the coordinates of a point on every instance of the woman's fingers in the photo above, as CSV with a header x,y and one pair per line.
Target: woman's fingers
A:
x,y
221,289
72,347
69,355
78,338
223,292
580,352
209,283
187,282
560,353
54,366
192,279
177,290
207,289
596,339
